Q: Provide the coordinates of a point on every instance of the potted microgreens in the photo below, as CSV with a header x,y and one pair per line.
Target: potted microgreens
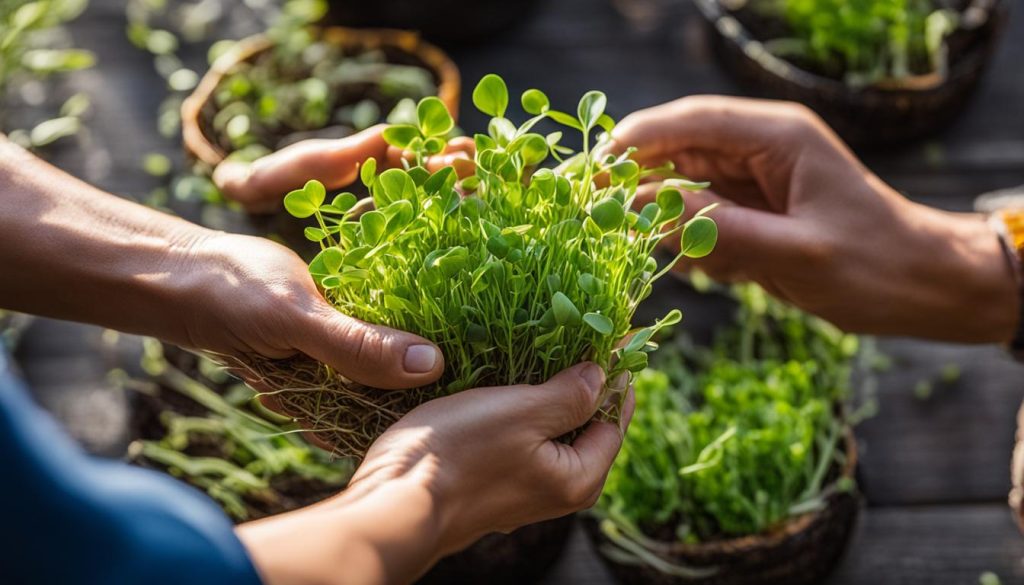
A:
x,y
193,421
739,464
531,272
292,83
886,72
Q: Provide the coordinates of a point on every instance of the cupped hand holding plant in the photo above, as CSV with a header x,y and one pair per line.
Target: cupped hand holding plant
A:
x,y
804,218
517,272
430,485
259,186
244,295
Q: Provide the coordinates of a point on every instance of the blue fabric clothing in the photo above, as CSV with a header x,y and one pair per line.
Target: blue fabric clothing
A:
x,y
69,518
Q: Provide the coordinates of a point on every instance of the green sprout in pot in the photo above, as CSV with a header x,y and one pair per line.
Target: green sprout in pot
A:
x,y
532,271
733,440
214,434
865,41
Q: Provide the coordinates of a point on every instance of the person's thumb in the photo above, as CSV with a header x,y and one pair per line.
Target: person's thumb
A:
x,y
566,401
377,356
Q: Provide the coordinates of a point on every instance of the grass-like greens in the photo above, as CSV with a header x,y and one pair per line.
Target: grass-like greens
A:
x,y
532,272
867,40
244,456
736,439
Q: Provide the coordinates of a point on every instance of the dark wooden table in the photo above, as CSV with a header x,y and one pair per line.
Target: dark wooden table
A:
x,y
934,471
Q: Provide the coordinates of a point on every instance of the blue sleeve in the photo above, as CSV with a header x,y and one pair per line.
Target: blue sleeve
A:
x,y
71,519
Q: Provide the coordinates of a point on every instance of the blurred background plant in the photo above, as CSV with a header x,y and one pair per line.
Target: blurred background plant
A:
x,y
34,46
206,428
864,41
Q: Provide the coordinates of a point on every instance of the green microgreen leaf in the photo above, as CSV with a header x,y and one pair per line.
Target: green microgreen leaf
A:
x,y
344,202
535,102
699,237
491,96
599,323
306,201
374,224
401,136
565,312
670,203
591,108
608,214
368,171
433,117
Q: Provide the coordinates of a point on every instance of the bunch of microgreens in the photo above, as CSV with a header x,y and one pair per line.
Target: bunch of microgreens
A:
x,y
732,440
249,455
867,41
516,272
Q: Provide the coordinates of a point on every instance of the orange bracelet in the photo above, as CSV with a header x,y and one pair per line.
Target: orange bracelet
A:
x,y
1009,225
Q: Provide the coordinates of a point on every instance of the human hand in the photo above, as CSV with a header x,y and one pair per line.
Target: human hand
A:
x,y
449,472
804,218
240,295
261,185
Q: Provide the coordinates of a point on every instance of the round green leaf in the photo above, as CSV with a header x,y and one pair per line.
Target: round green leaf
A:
x,y
670,202
624,171
392,185
433,117
314,234
368,172
373,224
344,202
699,237
535,101
333,258
590,284
491,96
401,136
591,107
306,201
599,323
608,214
565,312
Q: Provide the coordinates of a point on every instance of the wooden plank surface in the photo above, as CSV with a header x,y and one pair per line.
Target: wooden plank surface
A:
x,y
934,471
891,546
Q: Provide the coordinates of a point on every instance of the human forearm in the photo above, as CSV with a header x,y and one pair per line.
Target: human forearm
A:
x,y
71,251
965,290
387,536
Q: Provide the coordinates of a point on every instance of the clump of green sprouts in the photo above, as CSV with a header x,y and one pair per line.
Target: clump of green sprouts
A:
x,y
735,439
516,272
868,40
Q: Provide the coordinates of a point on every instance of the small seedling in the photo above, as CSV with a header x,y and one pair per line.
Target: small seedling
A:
x,y
530,272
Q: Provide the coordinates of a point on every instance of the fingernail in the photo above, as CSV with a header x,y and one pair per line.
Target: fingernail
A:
x,y
593,375
420,359
232,175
